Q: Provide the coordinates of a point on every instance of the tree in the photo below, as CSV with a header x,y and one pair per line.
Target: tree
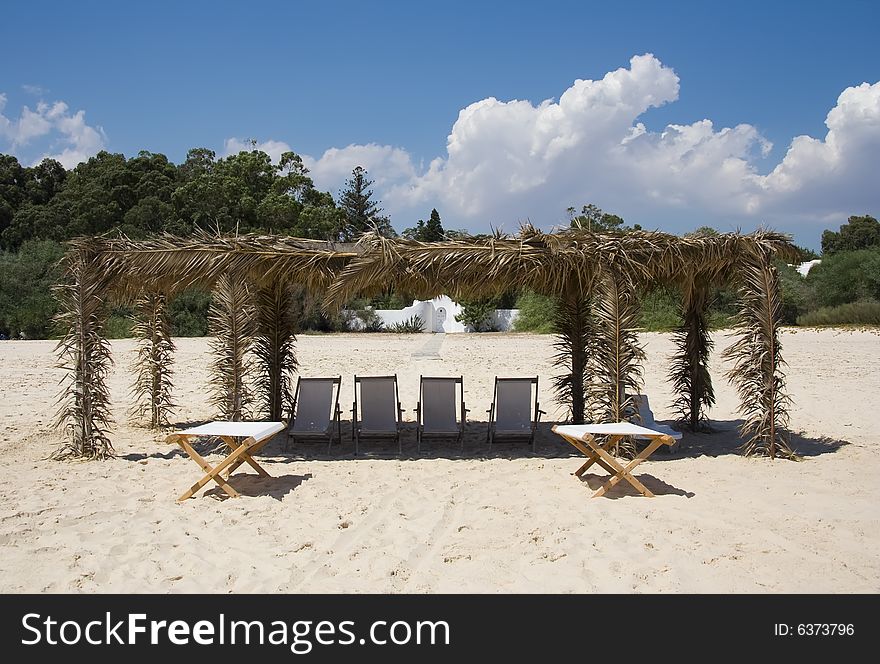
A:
x,y
857,233
848,276
26,277
432,231
593,218
360,212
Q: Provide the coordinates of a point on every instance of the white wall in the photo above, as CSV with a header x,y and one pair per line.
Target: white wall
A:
x,y
804,268
438,315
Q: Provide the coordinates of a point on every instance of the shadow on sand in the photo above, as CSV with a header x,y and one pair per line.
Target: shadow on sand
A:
x,y
248,484
624,489
723,439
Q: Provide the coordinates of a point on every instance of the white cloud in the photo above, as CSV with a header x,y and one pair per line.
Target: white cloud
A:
x,y
272,148
34,90
507,161
70,140
836,175
386,165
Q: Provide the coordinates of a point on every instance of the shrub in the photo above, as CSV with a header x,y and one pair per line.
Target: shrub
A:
x,y
188,312
851,313
119,323
796,293
477,314
369,320
536,313
410,326
660,310
26,301
849,276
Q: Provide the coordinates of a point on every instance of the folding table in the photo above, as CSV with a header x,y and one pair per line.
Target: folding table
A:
x,y
255,434
582,437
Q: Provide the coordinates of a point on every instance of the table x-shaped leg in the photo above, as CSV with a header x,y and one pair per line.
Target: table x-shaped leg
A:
x,y
210,473
592,457
246,456
625,472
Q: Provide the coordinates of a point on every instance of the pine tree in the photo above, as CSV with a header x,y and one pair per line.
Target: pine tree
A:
x,y
360,211
427,232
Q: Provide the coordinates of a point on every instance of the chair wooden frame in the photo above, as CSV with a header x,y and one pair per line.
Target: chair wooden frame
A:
x,y
336,414
356,430
492,435
420,425
240,452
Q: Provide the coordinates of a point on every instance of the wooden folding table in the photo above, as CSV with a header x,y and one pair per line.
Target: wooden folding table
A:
x,y
583,438
255,434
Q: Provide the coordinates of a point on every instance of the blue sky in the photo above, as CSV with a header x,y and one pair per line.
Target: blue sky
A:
x,y
383,84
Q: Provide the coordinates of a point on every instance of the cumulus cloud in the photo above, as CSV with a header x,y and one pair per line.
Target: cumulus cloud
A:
x,y
70,139
34,90
507,161
834,176
386,165
271,147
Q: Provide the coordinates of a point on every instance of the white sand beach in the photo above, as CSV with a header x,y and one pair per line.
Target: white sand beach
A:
x,y
511,521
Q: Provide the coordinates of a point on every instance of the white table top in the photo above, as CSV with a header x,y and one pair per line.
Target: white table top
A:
x,y
256,430
613,429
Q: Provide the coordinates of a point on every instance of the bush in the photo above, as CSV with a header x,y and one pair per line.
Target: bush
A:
x,y
852,313
536,313
118,326
410,326
26,278
477,314
369,320
660,310
845,277
189,313
797,293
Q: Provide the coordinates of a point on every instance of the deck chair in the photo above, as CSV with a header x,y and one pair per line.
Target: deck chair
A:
x,y
514,414
439,413
379,414
646,417
316,412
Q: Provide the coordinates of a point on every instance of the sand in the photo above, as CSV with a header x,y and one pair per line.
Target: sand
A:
x,y
506,522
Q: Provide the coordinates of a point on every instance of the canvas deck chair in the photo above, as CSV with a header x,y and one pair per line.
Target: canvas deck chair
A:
x,y
646,418
439,413
316,412
514,413
377,413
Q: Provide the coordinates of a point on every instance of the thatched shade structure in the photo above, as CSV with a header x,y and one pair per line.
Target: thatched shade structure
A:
x,y
595,278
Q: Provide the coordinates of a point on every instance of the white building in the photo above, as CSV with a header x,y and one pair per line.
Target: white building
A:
x,y
804,268
438,315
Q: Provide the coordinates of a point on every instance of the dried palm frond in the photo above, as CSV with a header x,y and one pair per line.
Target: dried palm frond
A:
x,y
169,264
274,348
575,336
231,322
615,365
689,370
154,360
84,354
757,357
